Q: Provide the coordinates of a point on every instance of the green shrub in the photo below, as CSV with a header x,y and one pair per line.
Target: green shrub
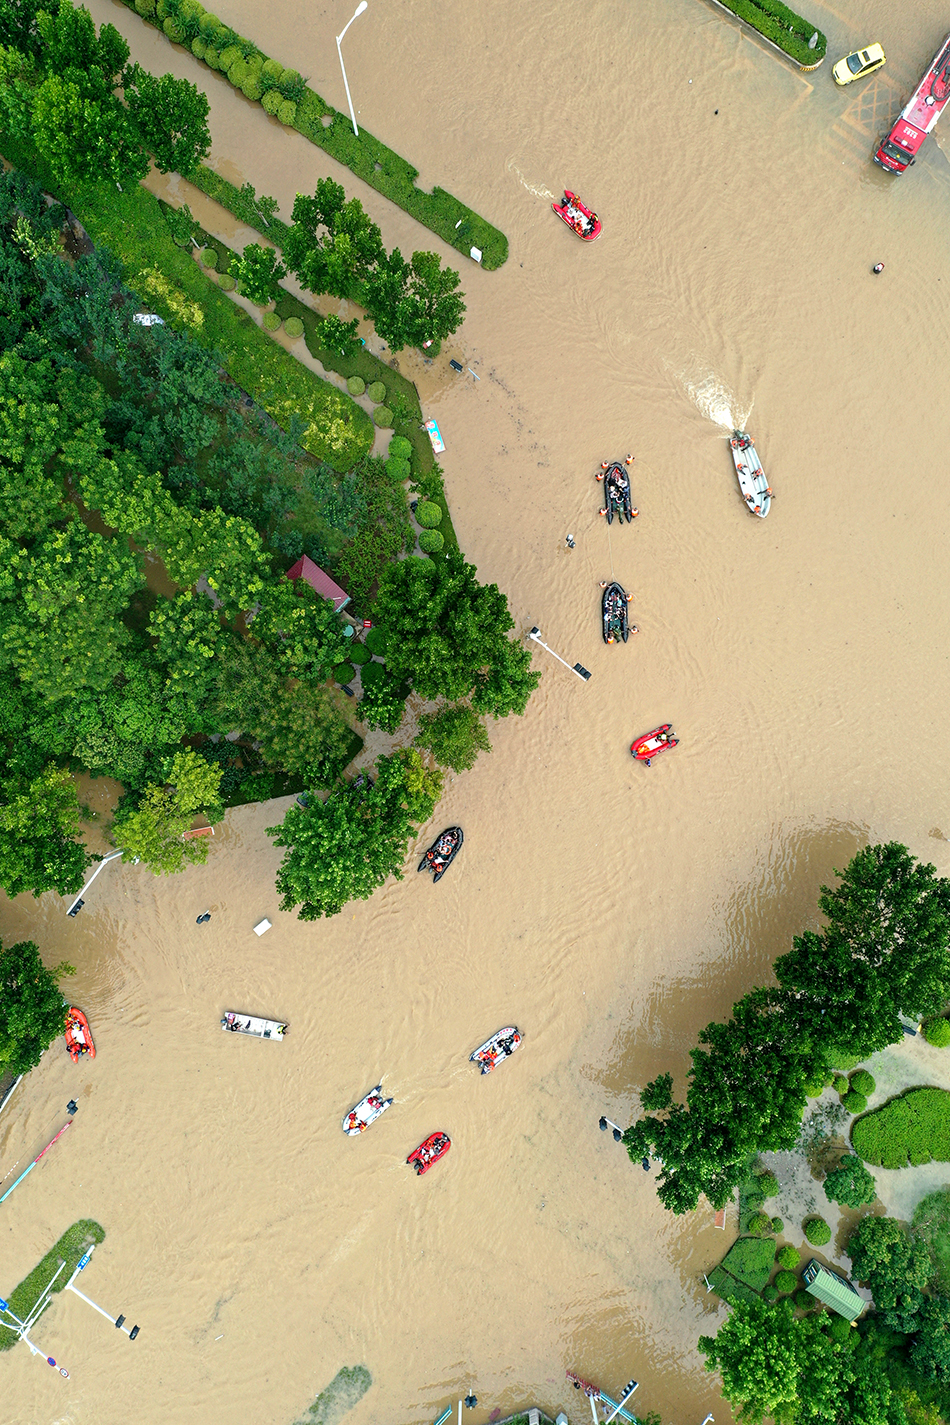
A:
x,y
914,1128
777,1225
788,1257
251,88
814,1084
840,1084
272,101
254,62
398,471
937,1033
749,1260
372,673
161,9
174,32
768,1183
359,653
400,448
428,514
356,385
208,257
209,25
376,391
293,326
227,57
855,1102
271,322
431,541
760,1224
770,1293
382,416
271,72
804,1301
817,1231
145,8
728,1288
226,282
786,29
212,57
291,85
786,1282
238,72
287,112
862,1082
376,642
199,47
344,673
837,1327
850,1183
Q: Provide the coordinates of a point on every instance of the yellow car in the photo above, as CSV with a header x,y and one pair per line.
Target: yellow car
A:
x,y
858,65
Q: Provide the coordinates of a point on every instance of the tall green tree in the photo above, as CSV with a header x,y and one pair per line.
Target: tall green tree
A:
x,y
32,1009
414,302
153,832
850,1183
454,735
343,849
895,1266
333,245
930,1349
301,629
40,848
449,635
171,117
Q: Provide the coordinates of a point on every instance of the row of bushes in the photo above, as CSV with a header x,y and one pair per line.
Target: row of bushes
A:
x,y
790,32
914,1128
284,94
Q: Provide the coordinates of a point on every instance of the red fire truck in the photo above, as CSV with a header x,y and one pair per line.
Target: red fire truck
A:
x,y
899,149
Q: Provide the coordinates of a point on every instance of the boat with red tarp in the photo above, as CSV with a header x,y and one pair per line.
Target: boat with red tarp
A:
x,y
78,1036
435,1147
584,222
648,746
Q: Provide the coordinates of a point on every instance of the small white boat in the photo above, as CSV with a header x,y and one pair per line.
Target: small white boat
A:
x,y
252,1024
435,435
365,1112
498,1047
752,482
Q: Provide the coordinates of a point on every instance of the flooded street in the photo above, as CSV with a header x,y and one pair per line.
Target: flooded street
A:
x,y
608,910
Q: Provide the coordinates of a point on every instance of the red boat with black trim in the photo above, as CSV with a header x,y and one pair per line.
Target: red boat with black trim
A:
x,y
435,1147
584,222
648,746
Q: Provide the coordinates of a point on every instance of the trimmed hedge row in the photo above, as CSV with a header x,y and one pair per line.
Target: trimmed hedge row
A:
x,y
914,1128
296,106
790,32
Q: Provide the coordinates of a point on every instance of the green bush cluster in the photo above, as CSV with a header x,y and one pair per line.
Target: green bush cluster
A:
x,y
770,1293
372,673
287,113
837,1327
271,321
359,653
788,1257
431,541
208,257
914,1128
786,1282
804,1301
817,1231
428,514
761,1224
382,417
271,101
226,282
344,673
840,1085
399,471
376,391
777,1225
783,27
376,642
937,1032
855,1102
293,326
769,1184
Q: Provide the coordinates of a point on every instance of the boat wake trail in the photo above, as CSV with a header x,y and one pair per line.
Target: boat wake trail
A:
x,y
538,189
716,401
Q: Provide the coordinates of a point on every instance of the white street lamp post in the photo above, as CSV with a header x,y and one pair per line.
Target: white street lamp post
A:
x,y
77,904
577,668
339,40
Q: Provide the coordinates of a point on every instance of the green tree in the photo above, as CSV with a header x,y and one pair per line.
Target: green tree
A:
x,y
333,245
382,707
344,848
258,271
454,735
758,1353
658,1095
930,1349
39,826
414,302
339,336
850,1183
32,1009
171,116
153,831
189,636
448,634
301,629
895,1267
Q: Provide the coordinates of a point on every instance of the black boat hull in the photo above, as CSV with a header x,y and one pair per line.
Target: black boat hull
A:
x,y
429,862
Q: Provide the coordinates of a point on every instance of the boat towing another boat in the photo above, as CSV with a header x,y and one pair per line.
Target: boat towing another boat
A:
x,y
585,223
500,1046
78,1035
365,1112
752,482
615,613
618,499
254,1025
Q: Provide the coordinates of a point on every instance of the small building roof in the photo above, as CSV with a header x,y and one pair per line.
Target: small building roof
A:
x,y
835,1291
320,581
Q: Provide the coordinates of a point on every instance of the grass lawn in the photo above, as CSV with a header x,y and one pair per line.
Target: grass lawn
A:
x,y
914,1128
68,1249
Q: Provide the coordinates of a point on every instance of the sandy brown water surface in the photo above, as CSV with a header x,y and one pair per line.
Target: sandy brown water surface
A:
x,y
607,909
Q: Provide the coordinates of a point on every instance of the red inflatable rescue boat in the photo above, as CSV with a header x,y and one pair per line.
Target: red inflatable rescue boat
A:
x,y
435,1147
78,1038
584,222
661,739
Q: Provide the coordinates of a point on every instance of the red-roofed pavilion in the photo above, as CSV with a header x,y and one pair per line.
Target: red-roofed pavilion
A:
x,y
320,581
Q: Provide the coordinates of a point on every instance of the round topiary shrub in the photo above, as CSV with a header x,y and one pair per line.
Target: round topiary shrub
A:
x,y
937,1033
209,24
768,1182
359,653
190,13
226,282
840,1084
355,385
343,672
212,57
161,9
770,1293
428,514
293,326
837,1327
254,62
400,448
804,1301
290,83
251,88
855,1102
786,1282
431,541
376,642
271,71
372,673
208,257
271,322
397,470
814,1085
862,1082
777,1225
238,72
817,1231
287,112
382,416
145,7
761,1224
376,391
227,57
272,101
199,47
173,31
788,1257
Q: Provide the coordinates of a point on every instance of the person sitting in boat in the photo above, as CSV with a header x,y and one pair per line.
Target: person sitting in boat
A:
x,y
352,1119
374,1101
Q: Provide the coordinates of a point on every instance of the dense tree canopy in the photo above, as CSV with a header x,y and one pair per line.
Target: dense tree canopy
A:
x,y
32,1011
39,825
895,1266
850,1183
454,735
153,831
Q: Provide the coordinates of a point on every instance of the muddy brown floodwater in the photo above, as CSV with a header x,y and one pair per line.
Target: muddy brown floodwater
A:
x,y
609,910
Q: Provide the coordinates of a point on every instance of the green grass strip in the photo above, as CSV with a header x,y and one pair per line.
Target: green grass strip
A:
x,y
70,1247
790,32
390,174
131,225
345,1390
